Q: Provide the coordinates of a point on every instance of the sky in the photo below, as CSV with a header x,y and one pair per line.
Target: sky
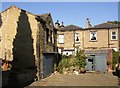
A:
x,y
74,13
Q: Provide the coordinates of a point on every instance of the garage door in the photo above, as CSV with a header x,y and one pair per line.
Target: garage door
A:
x,y
100,63
90,62
48,65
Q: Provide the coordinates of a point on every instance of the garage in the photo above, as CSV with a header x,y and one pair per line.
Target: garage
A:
x,y
96,60
101,62
47,64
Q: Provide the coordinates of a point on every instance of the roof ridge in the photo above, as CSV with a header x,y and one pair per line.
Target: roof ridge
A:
x,y
42,14
73,25
112,23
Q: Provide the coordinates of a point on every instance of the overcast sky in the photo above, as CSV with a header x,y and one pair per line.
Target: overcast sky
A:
x,y
72,12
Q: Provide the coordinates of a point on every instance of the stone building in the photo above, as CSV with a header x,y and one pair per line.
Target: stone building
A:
x,y
28,40
106,36
69,39
97,41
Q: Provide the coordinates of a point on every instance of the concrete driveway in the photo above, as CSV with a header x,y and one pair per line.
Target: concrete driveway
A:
x,y
87,79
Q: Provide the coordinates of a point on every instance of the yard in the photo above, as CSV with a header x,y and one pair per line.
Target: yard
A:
x,y
87,79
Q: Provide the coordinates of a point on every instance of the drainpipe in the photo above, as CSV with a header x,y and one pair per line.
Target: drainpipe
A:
x,y
108,40
74,40
83,39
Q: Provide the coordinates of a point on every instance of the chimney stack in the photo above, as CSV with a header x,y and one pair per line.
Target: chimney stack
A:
x,y
62,25
57,25
88,25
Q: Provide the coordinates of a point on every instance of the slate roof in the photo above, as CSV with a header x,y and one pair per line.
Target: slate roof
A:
x,y
47,19
70,28
106,25
44,16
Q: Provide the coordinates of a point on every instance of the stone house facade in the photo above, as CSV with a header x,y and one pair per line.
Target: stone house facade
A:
x,y
106,36
25,38
93,39
69,39
102,36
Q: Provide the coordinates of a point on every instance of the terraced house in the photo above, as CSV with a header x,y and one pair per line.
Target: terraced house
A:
x,y
28,40
97,41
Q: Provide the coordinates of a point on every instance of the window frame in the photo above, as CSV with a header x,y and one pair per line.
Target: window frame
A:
x,y
77,35
113,35
59,39
91,35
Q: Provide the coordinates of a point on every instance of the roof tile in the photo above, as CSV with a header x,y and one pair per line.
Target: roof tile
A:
x,y
106,25
70,27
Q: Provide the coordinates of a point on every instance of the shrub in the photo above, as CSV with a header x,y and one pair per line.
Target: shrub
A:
x,y
68,61
115,58
81,59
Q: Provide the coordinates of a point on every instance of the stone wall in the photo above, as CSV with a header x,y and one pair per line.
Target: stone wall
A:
x,y
69,39
103,39
23,39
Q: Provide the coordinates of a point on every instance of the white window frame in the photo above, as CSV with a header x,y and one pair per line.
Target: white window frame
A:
x,y
113,35
77,35
91,35
61,38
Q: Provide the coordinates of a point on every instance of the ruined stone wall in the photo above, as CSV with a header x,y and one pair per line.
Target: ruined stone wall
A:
x,y
8,31
14,20
9,26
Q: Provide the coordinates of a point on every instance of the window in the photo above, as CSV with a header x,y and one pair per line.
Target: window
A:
x,y
47,35
51,36
113,35
61,38
93,36
77,37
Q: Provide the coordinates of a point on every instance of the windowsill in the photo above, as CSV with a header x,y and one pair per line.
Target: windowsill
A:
x,y
93,41
77,42
60,43
114,40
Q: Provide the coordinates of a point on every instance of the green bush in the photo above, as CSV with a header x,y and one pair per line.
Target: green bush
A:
x,y
64,63
60,68
81,59
115,58
68,61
